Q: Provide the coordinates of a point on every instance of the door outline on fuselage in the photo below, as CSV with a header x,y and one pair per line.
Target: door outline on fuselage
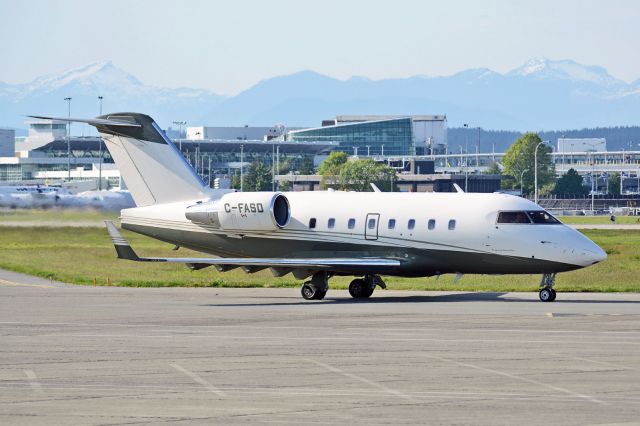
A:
x,y
371,234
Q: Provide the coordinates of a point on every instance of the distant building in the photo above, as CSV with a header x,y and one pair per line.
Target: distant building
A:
x,y
569,145
388,135
234,133
41,132
7,142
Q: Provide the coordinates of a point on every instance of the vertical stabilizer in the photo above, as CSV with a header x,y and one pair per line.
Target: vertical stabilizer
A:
x,y
152,167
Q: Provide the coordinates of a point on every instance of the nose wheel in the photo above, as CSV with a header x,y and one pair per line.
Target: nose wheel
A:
x,y
547,293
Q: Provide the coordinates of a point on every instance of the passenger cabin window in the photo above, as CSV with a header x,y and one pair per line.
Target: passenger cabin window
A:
x,y
371,224
331,223
411,224
392,223
312,223
452,224
351,224
431,224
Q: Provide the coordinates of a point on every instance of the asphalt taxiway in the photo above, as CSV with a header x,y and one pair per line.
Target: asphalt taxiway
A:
x,y
106,355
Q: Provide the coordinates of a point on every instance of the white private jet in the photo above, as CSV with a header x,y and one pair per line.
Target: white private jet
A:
x,y
323,234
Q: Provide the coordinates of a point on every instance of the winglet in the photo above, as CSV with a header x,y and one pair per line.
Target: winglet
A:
x,y
458,189
122,246
374,187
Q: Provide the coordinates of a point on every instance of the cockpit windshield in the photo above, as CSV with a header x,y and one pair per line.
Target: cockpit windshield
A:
x,y
536,217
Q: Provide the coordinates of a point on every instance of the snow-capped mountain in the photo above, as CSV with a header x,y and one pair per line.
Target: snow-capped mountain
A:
x,y
121,91
542,68
540,94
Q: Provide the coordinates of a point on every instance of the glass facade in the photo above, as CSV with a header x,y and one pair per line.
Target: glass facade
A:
x,y
388,137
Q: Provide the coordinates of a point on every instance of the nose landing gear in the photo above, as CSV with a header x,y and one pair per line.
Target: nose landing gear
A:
x,y
547,293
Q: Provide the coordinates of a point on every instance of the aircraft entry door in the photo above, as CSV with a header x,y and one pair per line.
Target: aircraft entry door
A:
x,y
371,226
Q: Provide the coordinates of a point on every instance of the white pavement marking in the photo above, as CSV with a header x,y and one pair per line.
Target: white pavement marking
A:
x,y
33,381
512,376
622,367
11,283
362,379
198,379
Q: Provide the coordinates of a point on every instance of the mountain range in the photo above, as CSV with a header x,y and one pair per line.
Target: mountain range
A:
x,y
541,94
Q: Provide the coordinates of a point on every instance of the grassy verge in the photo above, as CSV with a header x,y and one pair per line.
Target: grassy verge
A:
x,y
77,255
599,220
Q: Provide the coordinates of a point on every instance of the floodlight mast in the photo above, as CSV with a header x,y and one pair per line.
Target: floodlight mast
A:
x,y
68,100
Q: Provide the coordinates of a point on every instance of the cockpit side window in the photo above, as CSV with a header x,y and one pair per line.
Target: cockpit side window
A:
x,y
542,217
513,217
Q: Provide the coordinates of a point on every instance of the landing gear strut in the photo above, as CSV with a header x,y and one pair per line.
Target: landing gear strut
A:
x,y
547,293
361,288
317,288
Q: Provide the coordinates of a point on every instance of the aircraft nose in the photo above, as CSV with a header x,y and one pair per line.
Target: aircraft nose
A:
x,y
592,253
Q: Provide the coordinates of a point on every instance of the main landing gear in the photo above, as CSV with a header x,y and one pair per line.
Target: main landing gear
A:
x,y
317,288
361,288
547,293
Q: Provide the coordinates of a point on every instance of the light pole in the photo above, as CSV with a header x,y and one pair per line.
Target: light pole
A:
x,y
100,152
466,151
521,177
273,166
368,150
478,150
68,99
355,151
180,124
535,167
241,166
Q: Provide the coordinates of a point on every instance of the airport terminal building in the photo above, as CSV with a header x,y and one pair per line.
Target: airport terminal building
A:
x,y
380,135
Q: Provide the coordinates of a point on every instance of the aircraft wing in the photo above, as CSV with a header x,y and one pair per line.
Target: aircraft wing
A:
x,y
303,266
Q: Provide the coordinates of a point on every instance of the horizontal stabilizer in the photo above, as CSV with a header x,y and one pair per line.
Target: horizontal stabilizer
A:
x,y
124,251
92,121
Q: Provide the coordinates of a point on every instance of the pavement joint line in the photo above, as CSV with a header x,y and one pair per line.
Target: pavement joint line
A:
x,y
328,338
33,381
167,327
513,376
198,379
388,390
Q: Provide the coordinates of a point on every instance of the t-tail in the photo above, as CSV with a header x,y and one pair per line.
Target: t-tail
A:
x,y
153,169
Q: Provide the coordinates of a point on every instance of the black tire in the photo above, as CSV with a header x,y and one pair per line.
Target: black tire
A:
x,y
357,288
308,291
320,294
546,295
553,295
368,291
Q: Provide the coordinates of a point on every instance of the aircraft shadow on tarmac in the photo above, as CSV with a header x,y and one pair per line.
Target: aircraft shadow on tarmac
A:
x,y
457,297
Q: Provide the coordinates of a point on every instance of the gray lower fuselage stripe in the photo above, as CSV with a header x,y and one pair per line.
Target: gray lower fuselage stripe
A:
x,y
431,258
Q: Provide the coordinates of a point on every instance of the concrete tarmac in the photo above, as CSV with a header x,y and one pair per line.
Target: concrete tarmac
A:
x,y
107,355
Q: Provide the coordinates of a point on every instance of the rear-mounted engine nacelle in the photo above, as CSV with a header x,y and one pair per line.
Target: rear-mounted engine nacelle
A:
x,y
255,211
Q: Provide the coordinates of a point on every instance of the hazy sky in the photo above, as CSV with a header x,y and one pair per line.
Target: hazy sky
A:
x,y
226,46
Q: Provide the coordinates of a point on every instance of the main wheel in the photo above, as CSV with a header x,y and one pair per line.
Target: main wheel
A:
x,y
358,288
308,291
553,295
546,295
367,291
320,294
